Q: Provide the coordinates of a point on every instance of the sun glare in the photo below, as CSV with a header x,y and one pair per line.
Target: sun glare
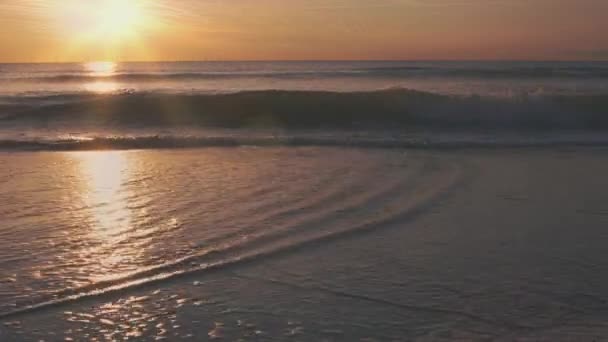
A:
x,y
102,20
102,72
100,68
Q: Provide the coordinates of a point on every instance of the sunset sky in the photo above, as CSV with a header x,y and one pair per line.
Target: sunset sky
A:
x,y
143,30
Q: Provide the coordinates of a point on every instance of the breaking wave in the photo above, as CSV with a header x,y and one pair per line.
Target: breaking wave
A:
x,y
391,108
339,140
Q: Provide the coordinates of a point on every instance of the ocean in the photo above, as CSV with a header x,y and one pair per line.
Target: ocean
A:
x,y
128,105
305,201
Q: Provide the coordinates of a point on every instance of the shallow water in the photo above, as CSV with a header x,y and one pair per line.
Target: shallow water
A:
x,y
310,244
78,223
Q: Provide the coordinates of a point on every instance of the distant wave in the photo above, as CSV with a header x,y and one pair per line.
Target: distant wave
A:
x,y
160,76
392,108
515,72
194,75
539,71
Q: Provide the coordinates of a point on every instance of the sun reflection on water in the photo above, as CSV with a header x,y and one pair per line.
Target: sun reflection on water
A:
x,y
105,173
117,241
102,70
121,230
102,87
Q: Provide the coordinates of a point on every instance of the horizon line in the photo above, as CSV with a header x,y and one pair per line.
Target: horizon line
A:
x,y
316,60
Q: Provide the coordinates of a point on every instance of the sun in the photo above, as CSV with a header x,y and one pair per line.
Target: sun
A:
x,y
104,21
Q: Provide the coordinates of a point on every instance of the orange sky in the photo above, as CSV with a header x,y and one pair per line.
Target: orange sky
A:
x,y
60,30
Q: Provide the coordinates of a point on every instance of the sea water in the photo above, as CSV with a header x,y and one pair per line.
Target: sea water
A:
x,y
190,104
312,200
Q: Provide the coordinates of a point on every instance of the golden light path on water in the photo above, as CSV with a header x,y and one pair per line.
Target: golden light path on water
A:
x,y
121,234
104,174
100,68
101,72
110,187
